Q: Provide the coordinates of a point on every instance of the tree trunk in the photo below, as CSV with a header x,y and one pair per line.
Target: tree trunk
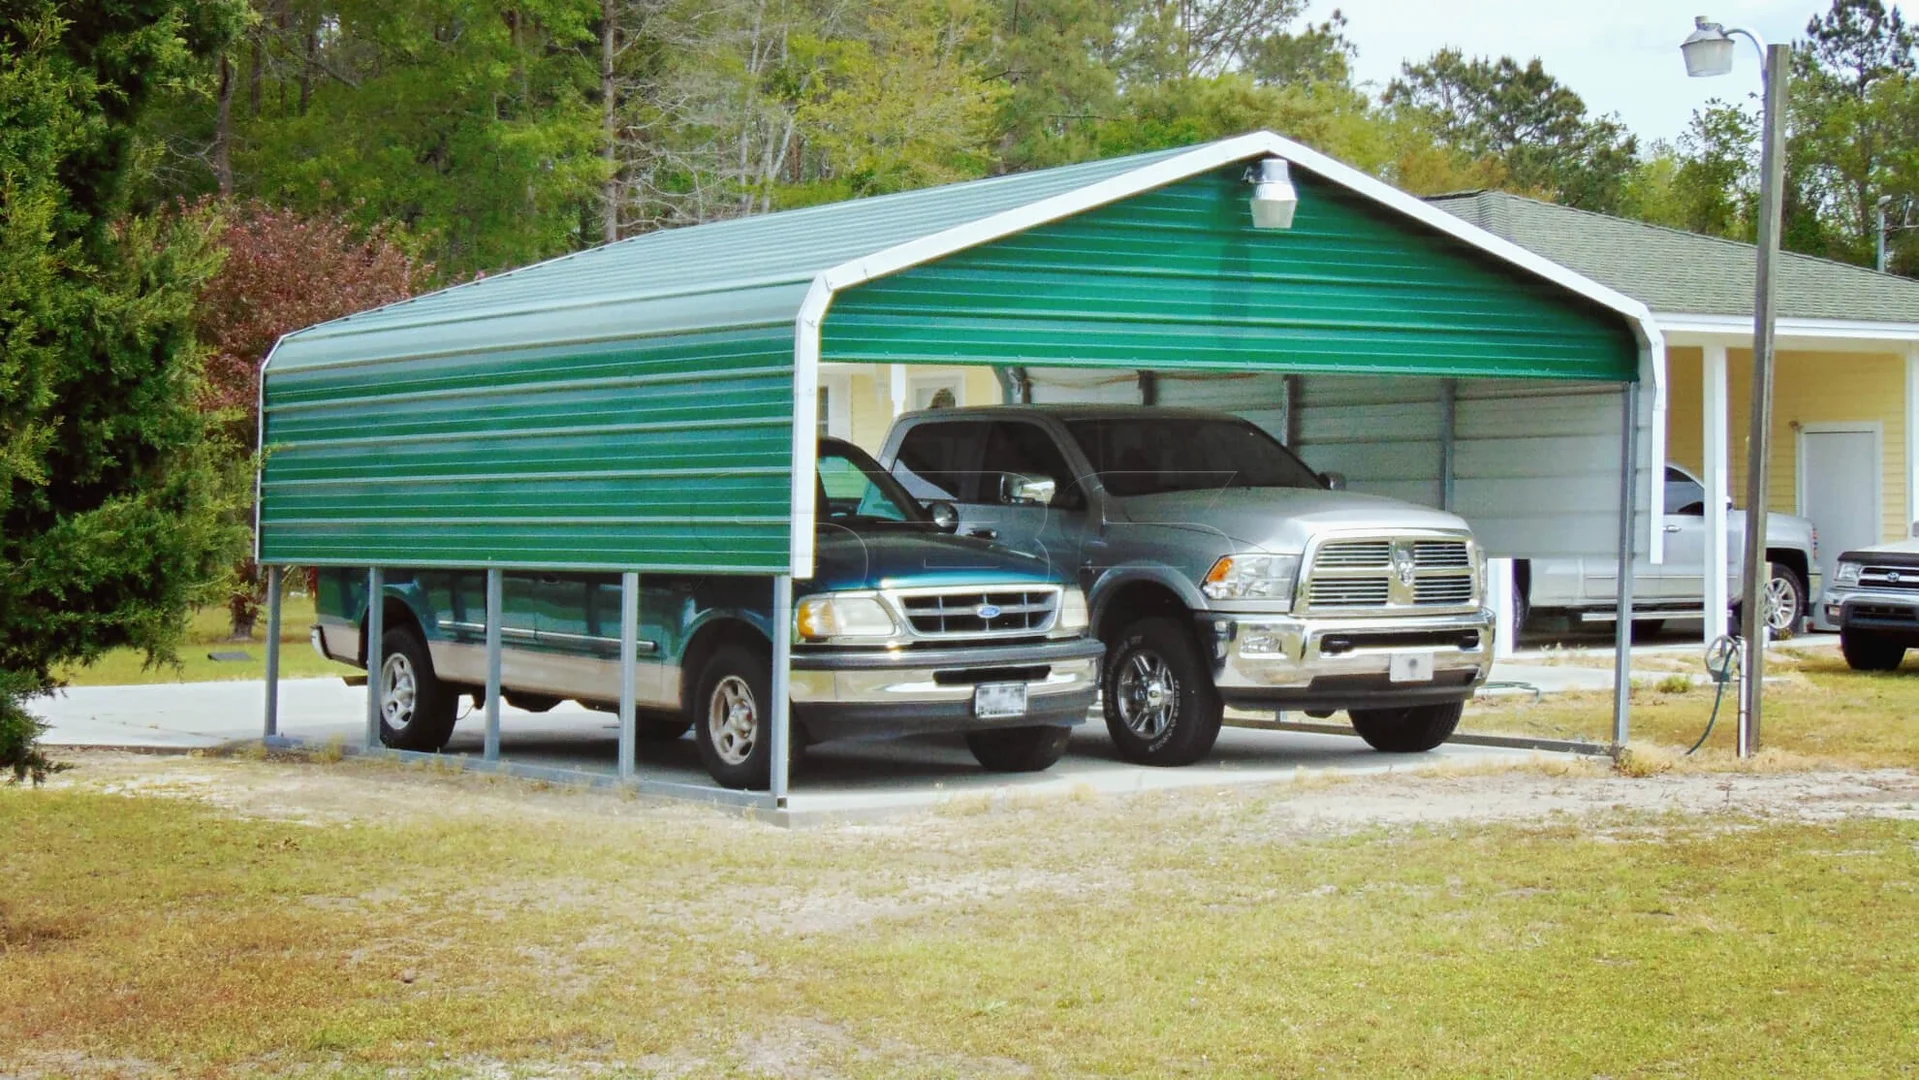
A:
x,y
223,131
306,69
609,124
255,66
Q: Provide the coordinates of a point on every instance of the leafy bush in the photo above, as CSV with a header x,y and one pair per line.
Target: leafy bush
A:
x,y
20,732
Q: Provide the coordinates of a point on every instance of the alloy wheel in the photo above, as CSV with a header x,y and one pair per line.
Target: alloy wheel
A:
x,y
1782,604
1147,694
399,691
732,720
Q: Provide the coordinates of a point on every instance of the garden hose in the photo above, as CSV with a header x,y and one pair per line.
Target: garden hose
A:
x,y
1722,660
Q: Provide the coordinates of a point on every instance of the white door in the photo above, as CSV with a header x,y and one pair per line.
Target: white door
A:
x,y
1839,477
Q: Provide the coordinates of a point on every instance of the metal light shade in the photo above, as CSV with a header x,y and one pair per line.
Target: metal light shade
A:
x,y
1274,199
1708,51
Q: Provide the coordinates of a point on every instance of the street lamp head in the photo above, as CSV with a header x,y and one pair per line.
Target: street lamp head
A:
x,y
1708,51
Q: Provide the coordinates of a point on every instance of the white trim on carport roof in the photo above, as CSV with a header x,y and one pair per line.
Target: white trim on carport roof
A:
x,y
1199,160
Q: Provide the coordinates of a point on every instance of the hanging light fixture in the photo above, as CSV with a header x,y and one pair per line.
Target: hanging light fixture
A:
x,y
1274,199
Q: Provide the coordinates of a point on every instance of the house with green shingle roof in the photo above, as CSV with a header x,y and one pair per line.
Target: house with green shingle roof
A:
x,y
1845,440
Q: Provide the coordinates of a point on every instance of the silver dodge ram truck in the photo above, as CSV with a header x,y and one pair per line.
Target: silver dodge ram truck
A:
x,y
1220,569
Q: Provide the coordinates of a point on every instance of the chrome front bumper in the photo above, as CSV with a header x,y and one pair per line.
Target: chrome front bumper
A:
x,y
1869,609
880,693
1338,663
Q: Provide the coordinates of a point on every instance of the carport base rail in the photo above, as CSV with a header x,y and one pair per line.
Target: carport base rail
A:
x,y
1510,742
758,801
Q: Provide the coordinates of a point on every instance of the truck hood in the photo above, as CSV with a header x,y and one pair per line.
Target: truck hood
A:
x,y
1897,553
1282,520
889,557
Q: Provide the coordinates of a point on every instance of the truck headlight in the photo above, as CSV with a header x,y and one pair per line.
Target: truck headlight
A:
x,y
1847,574
819,618
1252,577
1072,611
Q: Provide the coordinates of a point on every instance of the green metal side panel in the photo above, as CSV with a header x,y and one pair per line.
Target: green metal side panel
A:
x,y
655,454
1178,279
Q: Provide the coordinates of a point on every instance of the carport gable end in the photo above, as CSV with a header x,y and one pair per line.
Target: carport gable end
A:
x,y
651,404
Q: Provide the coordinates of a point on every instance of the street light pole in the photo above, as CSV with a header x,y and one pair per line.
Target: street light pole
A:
x,y
1709,52
1884,201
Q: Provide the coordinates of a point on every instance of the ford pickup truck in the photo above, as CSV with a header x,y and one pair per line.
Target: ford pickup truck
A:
x,y
902,629
1221,570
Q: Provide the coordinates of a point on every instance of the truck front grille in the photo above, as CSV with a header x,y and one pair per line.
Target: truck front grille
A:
x,y
979,613
1892,578
1383,573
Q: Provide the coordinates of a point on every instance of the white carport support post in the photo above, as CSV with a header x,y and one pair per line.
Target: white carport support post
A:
x,y
1501,596
782,718
375,659
1912,443
274,583
493,606
897,375
1718,480
629,662
1622,635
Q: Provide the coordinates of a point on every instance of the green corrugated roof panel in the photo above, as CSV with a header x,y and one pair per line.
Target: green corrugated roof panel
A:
x,y
748,271
1681,272
631,407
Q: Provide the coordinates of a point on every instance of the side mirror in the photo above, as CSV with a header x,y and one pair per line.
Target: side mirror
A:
x,y
945,515
1334,481
1015,489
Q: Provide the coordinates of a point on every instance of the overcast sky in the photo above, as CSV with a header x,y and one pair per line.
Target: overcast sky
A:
x,y
1619,55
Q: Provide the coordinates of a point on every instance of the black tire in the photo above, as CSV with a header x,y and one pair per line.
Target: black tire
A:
x,y
1779,576
1647,629
737,749
1411,730
1181,722
1025,749
417,710
1869,652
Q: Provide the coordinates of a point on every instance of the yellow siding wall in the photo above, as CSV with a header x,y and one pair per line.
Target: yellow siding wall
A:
x,y
871,397
1808,388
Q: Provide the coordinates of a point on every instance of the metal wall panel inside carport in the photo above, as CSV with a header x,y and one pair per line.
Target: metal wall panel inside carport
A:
x,y
1177,282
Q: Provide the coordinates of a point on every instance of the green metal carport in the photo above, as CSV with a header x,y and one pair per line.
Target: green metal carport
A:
x,y
650,405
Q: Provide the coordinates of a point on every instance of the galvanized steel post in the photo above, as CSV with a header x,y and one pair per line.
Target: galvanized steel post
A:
x,y
782,680
629,653
274,575
493,615
1622,630
375,658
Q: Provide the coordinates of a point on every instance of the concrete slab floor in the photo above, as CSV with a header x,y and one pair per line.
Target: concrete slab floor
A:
x,y
830,781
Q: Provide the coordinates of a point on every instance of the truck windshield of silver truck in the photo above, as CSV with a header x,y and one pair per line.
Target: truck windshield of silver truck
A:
x,y
1150,457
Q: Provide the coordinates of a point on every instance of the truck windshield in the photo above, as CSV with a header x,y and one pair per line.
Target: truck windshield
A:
x,y
854,490
1147,456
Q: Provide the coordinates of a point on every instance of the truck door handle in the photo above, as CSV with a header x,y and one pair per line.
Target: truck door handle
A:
x,y
1672,528
984,533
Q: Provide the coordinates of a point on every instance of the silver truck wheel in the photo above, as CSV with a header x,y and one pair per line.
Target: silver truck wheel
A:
x,y
1148,695
1157,694
1784,600
730,716
733,720
417,710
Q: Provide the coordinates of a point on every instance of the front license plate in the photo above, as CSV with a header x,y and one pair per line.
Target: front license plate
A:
x,y
1411,667
996,699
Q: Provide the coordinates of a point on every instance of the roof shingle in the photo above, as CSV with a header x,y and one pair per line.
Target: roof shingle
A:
x,y
1671,270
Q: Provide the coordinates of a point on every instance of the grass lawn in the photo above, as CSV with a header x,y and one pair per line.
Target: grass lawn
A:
x,y
1816,708
211,631
367,920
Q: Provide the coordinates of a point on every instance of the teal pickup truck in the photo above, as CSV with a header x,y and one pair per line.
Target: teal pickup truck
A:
x,y
902,629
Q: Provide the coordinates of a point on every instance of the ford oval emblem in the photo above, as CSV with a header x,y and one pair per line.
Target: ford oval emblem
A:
x,y
987,611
